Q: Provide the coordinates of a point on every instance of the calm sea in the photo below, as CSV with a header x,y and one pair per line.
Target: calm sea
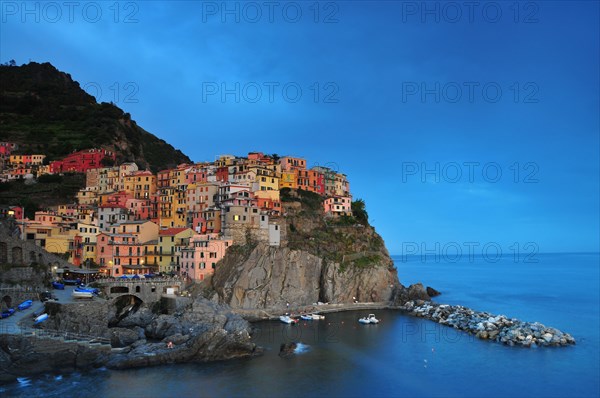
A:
x,y
402,356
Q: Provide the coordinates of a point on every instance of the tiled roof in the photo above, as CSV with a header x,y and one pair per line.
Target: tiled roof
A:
x,y
171,231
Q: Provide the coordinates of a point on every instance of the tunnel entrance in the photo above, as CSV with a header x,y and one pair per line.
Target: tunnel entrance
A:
x,y
7,301
126,305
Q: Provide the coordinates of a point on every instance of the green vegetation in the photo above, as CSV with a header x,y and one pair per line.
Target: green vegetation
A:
x,y
45,111
359,210
310,201
50,190
344,221
363,262
347,240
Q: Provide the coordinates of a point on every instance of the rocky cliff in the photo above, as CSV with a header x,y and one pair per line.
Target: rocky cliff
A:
x,y
327,260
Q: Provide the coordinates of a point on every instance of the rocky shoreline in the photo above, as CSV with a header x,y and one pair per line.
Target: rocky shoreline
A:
x,y
195,331
486,326
201,330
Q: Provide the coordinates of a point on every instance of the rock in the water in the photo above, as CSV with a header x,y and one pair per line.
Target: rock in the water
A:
x,y
431,292
416,292
287,349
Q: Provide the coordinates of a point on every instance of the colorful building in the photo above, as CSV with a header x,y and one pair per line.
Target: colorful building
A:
x,y
82,161
201,255
170,242
338,206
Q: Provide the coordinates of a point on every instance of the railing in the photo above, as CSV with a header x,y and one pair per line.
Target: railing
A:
x,y
53,334
118,280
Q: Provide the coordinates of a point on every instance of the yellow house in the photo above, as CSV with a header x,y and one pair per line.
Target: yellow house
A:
x,y
225,160
151,253
172,189
88,233
87,196
140,184
61,243
266,179
288,180
144,230
170,242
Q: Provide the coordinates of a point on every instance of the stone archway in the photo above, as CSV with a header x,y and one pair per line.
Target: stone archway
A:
x,y
17,255
3,253
6,301
126,305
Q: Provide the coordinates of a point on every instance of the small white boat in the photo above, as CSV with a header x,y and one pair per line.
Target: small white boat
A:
x,y
306,317
41,318
287,319
317,316
80,294
369,319
372,318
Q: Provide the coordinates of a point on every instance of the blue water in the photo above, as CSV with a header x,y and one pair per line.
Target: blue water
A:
x,y
402,356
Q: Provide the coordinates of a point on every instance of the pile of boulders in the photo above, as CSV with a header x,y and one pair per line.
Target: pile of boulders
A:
x,y
499,328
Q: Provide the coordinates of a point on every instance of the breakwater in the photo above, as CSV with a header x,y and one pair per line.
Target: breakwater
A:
x,y
486,326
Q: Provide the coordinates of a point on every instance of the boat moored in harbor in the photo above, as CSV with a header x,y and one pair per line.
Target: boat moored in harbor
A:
x,y
287,319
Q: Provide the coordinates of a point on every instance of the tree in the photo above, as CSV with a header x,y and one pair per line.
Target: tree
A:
x,y
107,162
359,210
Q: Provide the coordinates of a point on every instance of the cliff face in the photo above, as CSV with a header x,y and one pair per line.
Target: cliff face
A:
x,y
334,261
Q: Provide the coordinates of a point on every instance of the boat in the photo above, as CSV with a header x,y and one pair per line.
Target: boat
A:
x,y
287,319
317,316
58,285
369,319
372,318
83,288
306,317
72,281
7,313
24,305
47,296
77,294
41,318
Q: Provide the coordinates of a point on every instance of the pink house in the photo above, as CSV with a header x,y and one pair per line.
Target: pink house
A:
x,y
120,254
199,258
338,206
141,208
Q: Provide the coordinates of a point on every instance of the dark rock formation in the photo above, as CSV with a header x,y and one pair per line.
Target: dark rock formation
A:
x,y
121,337
27,356
413,292
204,331
270,277
431,292
287,349
201,331
90,318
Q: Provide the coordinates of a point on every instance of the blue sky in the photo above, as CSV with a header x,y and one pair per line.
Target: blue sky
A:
x,y
388,90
